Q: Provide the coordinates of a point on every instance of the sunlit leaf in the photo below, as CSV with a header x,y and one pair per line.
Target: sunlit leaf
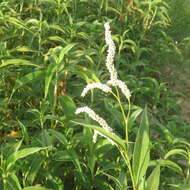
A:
x,y
14,182
176,151
48,78
141,150
17,62
21,154
116,139
36,187
153,180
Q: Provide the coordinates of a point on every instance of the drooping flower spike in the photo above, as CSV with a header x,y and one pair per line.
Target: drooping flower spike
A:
x,y
98,85
114,81
96,118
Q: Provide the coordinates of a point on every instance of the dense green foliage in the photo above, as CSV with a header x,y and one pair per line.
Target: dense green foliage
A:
x,y
49,51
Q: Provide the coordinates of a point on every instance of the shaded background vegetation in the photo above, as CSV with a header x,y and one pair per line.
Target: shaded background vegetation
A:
x,y
49,50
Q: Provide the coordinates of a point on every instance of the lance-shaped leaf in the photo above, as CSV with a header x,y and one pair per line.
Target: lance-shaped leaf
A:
x,y
27,78
141,154
116,139
153,180
21,154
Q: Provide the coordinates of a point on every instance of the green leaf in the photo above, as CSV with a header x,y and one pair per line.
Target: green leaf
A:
x,y
141,153
17,62
133,117
49,75
23,49
180,186
59,136
176,151
111,9
16,22
153,180
45,138
36,187
14,148
65,50
85,73
181,141
26,79
168,135
116,139
141,184
21,154
70,155
56,38
118,184
66,155
34,168
68,105
123,180
14,182
56,27
102,147
167,163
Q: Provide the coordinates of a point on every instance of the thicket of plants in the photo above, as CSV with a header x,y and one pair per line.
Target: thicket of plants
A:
x,y
50,50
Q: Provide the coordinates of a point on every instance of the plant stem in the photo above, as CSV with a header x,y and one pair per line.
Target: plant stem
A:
x,y
123,113
127,161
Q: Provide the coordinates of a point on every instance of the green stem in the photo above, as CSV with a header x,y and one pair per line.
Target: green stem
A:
x,y
123,114
127,119
127,161
55,91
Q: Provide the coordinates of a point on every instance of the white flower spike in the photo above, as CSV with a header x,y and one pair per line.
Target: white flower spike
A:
x,y
114,81
111,53
99,85
97,118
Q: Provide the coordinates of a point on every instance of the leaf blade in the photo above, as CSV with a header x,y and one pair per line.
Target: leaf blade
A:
x,y
141,152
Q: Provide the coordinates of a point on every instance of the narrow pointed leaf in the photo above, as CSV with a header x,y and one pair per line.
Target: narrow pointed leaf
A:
x,y
27,78
180,186
116,139
176,151
36,187
14,182
65,50
21,154
141,149
17,62
49,75
68,105
153,180
59,136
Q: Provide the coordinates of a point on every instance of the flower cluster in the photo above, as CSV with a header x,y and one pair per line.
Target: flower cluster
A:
x,y
122,86
114,81
111,53
99,85
97,118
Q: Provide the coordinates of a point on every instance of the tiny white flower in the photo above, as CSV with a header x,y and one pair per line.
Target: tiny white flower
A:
x,y
111,52
94,139
98,119
99,85
114,81
124,89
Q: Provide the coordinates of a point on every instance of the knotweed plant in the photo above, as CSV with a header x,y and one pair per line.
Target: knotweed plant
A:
x,y
138,162
114,81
